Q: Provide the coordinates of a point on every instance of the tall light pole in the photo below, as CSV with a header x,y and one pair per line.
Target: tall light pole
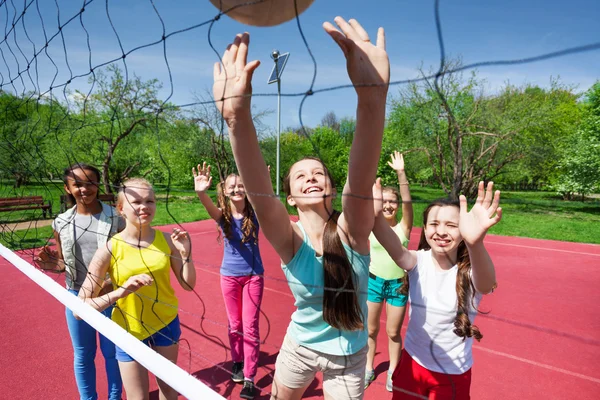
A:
x,y
280,61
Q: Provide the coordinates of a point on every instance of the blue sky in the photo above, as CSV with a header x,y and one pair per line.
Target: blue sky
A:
x,y
475,30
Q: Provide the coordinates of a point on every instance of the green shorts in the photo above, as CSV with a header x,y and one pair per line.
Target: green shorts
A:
x,y
382,289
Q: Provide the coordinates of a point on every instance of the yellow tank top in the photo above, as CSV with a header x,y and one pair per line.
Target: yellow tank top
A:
x,y
152,307
382,264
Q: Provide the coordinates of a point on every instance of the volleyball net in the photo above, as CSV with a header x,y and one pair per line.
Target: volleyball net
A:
x,y
79,84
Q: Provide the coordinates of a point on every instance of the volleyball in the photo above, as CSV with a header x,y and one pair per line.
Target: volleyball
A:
x,y
265,13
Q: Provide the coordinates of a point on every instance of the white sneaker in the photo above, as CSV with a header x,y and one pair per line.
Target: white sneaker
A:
x,y
388,382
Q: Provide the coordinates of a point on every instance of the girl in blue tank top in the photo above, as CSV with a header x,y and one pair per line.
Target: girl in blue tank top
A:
x,y
242,270
325,256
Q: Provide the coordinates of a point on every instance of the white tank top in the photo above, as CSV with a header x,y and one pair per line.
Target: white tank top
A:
x,y
430,339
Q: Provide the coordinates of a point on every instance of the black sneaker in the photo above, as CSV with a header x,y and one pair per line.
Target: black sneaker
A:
x,y
237,372
248,391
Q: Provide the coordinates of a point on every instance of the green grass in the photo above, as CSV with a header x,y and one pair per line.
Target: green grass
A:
x,y
540,215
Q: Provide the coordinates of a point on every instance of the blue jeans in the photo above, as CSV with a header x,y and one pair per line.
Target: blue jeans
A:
x,y
84,342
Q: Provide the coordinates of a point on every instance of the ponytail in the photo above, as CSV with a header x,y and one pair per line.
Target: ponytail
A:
x,y
340,301
341,309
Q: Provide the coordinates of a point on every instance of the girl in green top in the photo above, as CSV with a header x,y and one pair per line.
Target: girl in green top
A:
x,y
387,282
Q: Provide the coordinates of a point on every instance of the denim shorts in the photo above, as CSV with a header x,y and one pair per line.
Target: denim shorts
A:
x,y
386,289
167,336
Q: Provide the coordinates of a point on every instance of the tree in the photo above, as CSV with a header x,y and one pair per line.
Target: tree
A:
x,y
579,165
27,122
467,136
119,109
330,120
206,114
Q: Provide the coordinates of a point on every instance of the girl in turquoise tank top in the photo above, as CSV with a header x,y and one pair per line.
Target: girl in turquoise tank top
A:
x,y
387,282
139,260
324,255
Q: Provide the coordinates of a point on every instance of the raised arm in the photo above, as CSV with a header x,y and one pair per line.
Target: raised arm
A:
x,y
181,261
397,164
404,258
232,90
91,287
202,181
369,70
473,227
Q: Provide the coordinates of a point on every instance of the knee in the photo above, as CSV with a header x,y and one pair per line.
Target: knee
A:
x,y
394,333
373,331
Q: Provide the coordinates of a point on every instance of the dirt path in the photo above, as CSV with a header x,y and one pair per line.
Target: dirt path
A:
x,y
25,225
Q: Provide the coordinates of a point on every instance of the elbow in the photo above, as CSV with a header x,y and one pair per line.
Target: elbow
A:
x,y
487,288
188,285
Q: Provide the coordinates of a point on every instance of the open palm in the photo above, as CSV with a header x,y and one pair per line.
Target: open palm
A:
x,y
202,178
367,63
397,162
232,88
485,213
181,241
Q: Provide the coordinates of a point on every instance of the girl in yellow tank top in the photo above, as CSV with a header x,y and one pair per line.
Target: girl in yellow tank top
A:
x,y
139,261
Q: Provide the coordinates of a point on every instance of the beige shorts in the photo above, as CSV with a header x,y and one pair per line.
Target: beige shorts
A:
x,y
343,376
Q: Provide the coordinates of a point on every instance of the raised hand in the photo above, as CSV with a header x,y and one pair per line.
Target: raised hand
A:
x,y
49,260
397,162
473,225
367,63
137,281
232,88
181,241
202,178
377,197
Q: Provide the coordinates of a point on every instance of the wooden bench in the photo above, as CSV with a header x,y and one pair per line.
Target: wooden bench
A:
x,y
109,198
26,203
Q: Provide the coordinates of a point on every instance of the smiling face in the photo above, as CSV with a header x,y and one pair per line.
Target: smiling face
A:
x,y
137,203
390,205
441,230
234,188
308,184
82,184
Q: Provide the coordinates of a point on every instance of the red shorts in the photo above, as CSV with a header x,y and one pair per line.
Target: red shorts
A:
x,y
412,381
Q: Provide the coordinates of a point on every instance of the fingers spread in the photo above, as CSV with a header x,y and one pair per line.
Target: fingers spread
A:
x,y
488,194
337,36
362,34
347,29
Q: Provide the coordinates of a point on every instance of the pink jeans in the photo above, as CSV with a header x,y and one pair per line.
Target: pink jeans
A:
x,y
243,295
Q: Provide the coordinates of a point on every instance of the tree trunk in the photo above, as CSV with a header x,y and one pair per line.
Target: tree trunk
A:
x,y
457,177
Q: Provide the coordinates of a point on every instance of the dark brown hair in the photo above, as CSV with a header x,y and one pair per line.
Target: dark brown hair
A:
x,y
68,173
249,228
465,290
340,300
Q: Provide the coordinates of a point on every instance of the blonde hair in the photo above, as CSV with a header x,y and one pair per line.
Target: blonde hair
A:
x,y
131,183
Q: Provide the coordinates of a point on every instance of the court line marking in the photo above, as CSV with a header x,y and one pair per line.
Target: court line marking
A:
x,y
538,364
543,248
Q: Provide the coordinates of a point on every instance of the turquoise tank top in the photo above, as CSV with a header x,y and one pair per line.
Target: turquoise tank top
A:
x,y
305,276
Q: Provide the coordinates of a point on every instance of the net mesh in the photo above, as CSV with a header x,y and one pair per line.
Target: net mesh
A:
x,y
71,92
